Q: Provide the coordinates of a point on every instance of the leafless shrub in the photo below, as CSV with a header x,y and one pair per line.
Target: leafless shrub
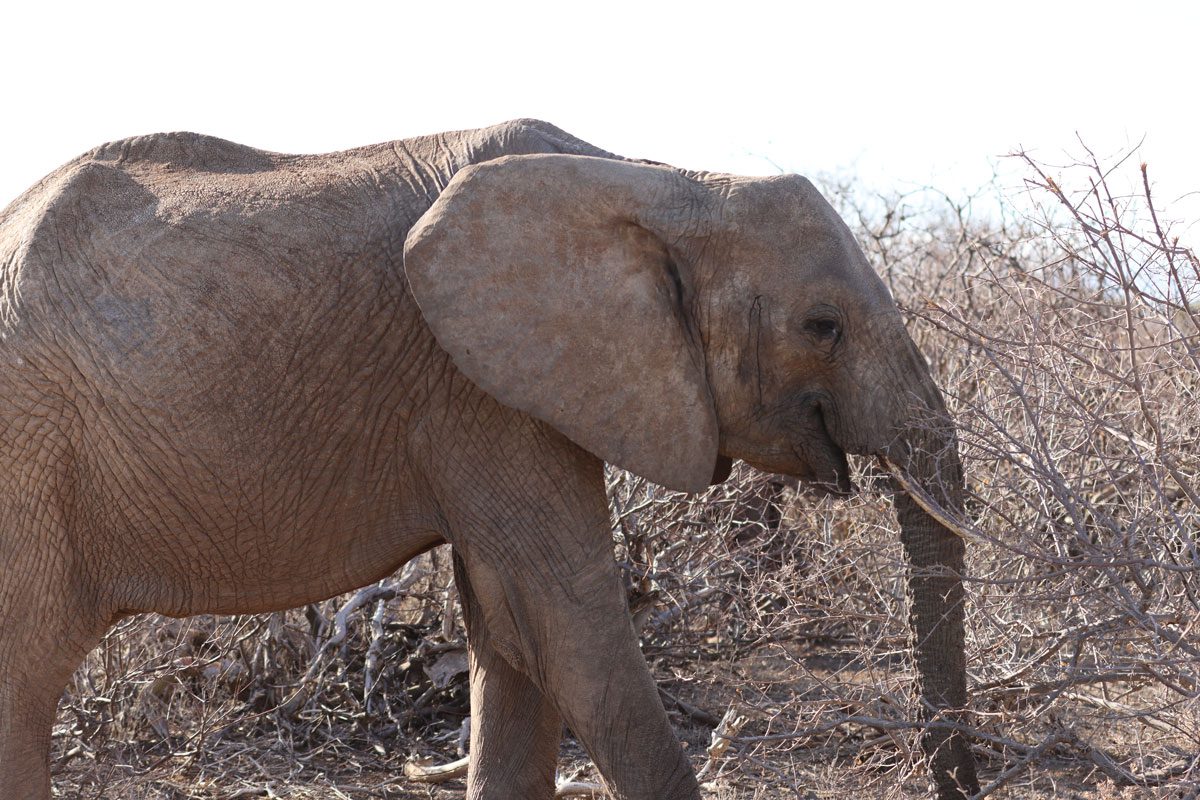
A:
x,y
212,705
1066,338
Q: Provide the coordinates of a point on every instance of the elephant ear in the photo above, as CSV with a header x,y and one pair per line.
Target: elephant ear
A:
x,y
549,282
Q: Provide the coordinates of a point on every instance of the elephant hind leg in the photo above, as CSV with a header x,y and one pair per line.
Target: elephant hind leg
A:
x,y
515,731
44,633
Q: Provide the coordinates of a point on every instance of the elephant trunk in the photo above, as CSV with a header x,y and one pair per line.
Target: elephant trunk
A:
x,y
929,479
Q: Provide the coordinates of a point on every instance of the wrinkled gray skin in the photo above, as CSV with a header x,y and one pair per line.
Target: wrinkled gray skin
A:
x,y
238,381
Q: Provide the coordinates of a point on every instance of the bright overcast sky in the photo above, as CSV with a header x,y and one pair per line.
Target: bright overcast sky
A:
x,y
897,94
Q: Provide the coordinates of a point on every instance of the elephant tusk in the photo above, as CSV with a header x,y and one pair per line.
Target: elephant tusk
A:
x,y
423,770
922,499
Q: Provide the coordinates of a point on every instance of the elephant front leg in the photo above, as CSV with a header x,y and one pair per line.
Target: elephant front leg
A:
x,y
515,731
569,638
527,514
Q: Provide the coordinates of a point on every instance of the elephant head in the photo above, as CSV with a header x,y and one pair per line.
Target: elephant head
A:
x,y
668,321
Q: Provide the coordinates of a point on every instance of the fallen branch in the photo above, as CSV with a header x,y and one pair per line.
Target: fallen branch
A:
x,y
1023,763
1141,715
723,736
580,789
377,592
424,770
698,714
371,667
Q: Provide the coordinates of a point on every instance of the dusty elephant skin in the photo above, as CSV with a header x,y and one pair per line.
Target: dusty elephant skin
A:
x,y
237,381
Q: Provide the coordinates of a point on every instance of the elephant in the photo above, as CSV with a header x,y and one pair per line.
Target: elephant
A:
x,y
236,381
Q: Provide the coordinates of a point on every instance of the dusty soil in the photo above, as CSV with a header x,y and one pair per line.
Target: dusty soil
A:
x,y
842,765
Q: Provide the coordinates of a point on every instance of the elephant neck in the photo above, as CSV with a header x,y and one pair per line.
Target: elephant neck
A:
x,y
421,167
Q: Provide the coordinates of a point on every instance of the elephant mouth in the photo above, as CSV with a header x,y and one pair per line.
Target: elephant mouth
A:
x,y
825,468
829,475
804,448
828,469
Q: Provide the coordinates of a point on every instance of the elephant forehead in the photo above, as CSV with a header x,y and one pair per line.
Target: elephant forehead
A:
x,y
783,235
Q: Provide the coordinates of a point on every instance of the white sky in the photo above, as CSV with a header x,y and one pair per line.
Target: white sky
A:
x,y
899,94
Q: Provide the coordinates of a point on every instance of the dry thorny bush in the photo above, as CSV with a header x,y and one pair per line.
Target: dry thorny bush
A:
x,y
1066,339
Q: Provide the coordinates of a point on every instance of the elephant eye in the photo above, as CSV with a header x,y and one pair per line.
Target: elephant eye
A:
x,y
823,329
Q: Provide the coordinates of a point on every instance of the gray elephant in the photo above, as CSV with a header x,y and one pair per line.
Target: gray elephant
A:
x,y
237,381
